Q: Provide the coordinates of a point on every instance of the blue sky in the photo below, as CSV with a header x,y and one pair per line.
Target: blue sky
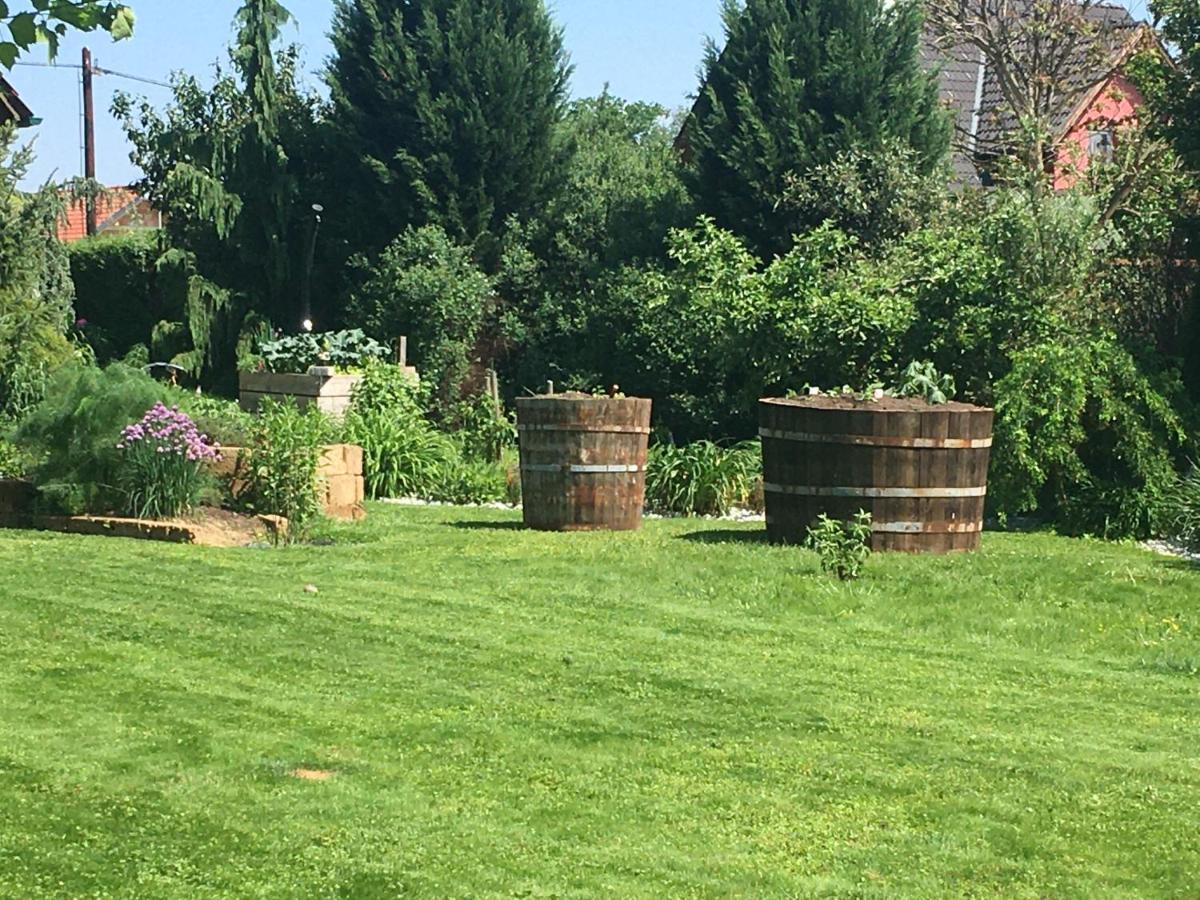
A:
x,y
644,49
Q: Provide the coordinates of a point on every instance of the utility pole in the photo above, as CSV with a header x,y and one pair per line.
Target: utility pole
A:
x,y
89,140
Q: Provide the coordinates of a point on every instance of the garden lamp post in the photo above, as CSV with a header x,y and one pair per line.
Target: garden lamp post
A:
x,y
306,322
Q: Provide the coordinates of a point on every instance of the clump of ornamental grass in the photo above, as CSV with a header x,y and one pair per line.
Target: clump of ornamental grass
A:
x,y
163,459
701,479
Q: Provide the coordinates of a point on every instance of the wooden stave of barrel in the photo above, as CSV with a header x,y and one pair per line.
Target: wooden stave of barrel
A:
x,y
921,472
583,461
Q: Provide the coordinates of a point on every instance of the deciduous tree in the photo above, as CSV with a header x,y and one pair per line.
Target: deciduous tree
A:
x,y
46,21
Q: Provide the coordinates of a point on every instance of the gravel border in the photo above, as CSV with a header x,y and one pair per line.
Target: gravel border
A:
x,y
735,514
1169,548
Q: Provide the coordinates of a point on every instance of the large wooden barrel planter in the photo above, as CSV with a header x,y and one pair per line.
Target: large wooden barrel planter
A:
x,y
920,470
583,461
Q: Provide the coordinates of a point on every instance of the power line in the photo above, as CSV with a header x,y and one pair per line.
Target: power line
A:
x,y
98,70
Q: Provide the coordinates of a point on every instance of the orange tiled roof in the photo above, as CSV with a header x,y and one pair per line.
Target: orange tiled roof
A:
x,y
120,208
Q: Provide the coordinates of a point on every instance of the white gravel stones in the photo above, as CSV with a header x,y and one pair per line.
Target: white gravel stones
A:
x,y
1167,548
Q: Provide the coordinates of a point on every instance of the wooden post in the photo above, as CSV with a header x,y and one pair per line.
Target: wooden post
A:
x,y
89,141
401,351
493,387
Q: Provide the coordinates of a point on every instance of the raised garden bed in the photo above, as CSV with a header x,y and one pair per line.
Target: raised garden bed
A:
x,y
320,386
583,461
919,469
208,527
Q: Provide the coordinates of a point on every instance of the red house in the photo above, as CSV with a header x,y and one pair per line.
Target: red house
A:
x,y
1100,100
118,210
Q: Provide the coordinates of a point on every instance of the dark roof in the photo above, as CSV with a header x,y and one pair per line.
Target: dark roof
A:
x,y
11,107
982,125
1095,59
960,83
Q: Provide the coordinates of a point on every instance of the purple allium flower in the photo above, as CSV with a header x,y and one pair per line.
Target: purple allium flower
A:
x,y
169,431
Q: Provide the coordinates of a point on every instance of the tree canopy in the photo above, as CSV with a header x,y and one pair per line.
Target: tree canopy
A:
x,y
797,83
1180,100
220,164
448,112
46,22
35,285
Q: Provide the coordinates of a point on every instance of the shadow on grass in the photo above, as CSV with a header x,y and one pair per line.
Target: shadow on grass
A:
x,y
489,526
1181,565
725,536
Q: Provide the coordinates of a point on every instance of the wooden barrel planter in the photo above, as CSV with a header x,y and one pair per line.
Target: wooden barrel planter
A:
x,y
583,461
920,470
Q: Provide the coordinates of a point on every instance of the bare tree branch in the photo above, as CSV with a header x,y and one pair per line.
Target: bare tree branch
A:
x,y
1036,52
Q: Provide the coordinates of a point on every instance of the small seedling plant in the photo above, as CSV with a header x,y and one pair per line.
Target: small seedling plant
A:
x,y
844,547
922,379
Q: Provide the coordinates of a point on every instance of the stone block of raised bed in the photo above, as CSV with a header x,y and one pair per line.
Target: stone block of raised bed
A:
x,y
330,393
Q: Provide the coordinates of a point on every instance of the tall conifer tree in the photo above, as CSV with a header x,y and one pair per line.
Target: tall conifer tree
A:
x,y
797,83
448,112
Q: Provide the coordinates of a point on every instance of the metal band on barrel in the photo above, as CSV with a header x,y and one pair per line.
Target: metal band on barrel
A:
x,y
915,527
927,527
878,440
875,493
607,429
583,470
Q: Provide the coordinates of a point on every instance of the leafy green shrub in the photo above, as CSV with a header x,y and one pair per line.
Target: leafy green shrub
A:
x,y
717,332
844,547
1085,438
14,462
877,194
427,287
1180,511
468,482
163,459
341,349
76,428
285,452
223,421
403,454
115,293
701,479
24,388
482,428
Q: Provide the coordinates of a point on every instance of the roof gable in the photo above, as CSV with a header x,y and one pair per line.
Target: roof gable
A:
x,y
983,127
12,109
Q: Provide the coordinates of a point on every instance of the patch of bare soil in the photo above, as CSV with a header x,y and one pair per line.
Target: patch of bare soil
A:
x,y
215,527
883,404
312,774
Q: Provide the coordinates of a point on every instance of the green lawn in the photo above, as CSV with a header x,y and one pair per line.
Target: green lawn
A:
x,y
681,712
